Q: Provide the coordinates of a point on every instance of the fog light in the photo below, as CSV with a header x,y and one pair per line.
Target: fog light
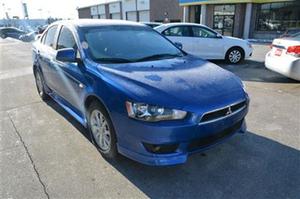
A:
x,y
161,148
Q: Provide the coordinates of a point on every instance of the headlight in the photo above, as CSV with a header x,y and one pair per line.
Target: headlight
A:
x,y
146,112
244,87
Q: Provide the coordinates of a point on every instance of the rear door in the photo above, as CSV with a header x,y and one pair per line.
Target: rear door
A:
x,y
183,35
47,53
206,44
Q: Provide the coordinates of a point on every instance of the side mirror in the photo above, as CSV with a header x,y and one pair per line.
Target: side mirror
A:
x,y
66,55
178,45
219,36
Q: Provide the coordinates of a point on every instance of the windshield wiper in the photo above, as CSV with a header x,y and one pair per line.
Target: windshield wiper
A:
x,y
158,56
113,60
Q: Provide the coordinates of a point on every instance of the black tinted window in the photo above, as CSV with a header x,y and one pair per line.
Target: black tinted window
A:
x,y
66,39
49,40
203,32
178,31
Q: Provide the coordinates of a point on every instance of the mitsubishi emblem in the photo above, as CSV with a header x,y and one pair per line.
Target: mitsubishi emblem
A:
x,y
229,111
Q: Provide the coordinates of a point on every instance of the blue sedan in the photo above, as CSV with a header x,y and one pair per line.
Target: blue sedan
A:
x,y
137,93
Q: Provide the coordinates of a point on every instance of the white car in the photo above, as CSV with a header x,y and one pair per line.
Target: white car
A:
x,y
284,57
206,43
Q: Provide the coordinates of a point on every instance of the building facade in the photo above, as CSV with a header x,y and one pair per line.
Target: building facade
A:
x,y
257,19
134,10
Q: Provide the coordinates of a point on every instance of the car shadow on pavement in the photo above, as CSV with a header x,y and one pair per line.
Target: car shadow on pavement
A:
x,y
68,117
251,70
246,166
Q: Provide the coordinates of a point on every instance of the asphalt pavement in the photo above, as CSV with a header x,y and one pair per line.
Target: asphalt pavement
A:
x,y
45,153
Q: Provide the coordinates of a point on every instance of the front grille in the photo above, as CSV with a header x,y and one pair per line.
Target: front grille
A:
x,y
205,141
222,112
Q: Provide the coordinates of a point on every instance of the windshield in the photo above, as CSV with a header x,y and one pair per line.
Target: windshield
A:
x,y
297,35
123,44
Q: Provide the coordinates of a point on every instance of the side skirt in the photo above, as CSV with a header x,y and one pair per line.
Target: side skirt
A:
x,y
61,102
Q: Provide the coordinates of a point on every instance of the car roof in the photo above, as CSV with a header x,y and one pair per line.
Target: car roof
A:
x,y
154,23
97,22
168,25
183,24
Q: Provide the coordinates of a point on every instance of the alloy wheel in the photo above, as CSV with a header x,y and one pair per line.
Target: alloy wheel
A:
x,y
100,130
235,56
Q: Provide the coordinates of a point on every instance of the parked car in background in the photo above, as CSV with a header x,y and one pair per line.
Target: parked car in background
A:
x,y
152,24
11,32
117,78
31,36
290,32
41,29
284,56
206,43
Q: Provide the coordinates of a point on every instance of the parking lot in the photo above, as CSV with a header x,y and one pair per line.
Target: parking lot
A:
x,y
45,153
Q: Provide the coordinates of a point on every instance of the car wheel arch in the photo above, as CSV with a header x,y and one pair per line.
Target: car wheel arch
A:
x,y
92,98
233,47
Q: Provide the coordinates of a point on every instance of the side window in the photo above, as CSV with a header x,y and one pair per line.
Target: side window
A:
x,y
66,39
178,31
203,32
50,36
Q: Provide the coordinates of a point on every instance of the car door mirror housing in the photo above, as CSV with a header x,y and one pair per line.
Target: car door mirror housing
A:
x,y
219,36
178,45
66,55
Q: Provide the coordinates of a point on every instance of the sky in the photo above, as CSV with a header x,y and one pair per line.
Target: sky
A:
x,y
44,8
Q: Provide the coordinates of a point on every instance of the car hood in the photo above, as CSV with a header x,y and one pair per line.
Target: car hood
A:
x,y
235,40
186,83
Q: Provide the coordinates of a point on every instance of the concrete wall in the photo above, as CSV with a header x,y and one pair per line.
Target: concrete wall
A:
x,y
158,8
84,13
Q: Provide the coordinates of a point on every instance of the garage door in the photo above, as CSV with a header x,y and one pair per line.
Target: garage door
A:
x,y
115,16
131,16
144,15
102,16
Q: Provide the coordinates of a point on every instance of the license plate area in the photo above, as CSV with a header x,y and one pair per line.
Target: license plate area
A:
x,y
278,52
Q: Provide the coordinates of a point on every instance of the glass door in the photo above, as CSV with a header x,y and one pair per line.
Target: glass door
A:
x,y
224,19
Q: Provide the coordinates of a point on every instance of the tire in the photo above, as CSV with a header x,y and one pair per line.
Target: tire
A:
x,y
102,131
235,55
40,84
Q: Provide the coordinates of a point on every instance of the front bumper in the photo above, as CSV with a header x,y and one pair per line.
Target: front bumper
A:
x,y
178,157
188,136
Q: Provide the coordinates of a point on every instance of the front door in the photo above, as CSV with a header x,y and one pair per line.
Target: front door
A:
x,y
207,44
71,79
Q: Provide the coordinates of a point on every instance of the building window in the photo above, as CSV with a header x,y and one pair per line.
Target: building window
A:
x,y
278,16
